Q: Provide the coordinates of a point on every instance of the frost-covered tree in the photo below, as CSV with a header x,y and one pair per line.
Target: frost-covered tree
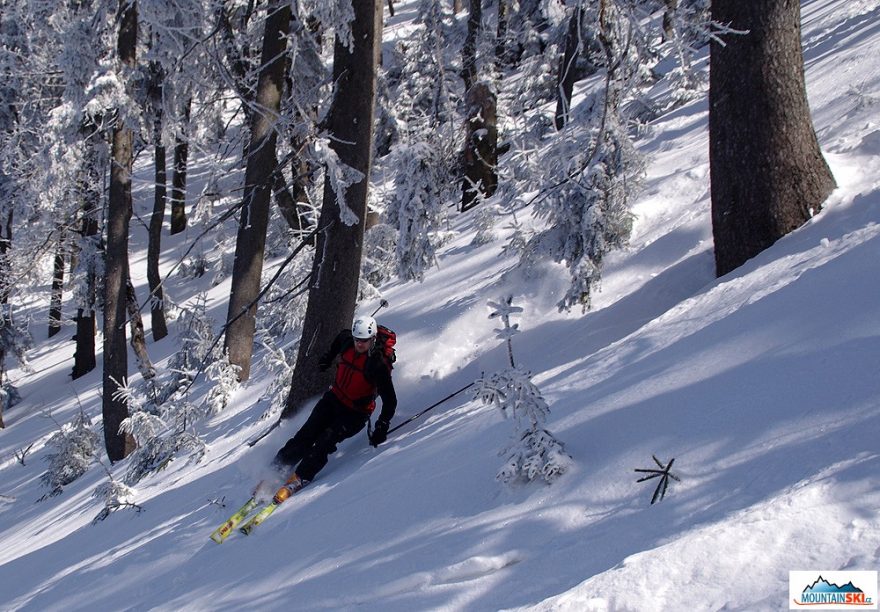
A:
x,y
594,170
417,206
533,452
115,495
485,218
261,162
116,269
159,433
197,347
74,448
225,376
336,268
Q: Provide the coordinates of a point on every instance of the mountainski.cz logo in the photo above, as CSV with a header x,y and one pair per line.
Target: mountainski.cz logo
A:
x,y
832,590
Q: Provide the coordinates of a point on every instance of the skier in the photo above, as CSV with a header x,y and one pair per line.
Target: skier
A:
x,y
362,373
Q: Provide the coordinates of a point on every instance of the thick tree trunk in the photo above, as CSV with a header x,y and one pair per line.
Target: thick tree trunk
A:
x,y
251,241
336,269
154,279
119,211
481,146
469,50
178,180
767,172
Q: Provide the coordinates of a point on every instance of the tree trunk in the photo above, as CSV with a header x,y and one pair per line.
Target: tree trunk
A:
x,y
469,50
768,175
138,338
501,51
336,269
178,180
5,316
154,279
119,211
57,293
481,146
251,241
84,360
669,18
565,80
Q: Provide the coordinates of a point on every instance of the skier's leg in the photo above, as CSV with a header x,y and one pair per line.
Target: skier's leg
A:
x,y
296,448
347,423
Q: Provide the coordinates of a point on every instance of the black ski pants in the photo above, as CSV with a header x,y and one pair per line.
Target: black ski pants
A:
x,y
330,423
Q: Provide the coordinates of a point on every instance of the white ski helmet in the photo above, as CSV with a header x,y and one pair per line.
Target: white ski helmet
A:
x,y
364,328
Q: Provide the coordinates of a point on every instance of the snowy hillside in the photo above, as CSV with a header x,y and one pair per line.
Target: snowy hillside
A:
x,y
764,386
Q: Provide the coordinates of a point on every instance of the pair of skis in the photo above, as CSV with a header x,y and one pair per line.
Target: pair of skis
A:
x,y
222,532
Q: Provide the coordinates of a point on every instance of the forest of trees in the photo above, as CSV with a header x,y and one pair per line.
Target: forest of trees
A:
x,y
273,121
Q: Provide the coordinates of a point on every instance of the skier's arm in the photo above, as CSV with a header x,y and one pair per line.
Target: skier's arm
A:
x,y
336,347
385,387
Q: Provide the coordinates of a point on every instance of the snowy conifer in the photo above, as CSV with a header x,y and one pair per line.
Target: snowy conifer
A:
x,y
380,254
115,495
533,452
75,446
417,206
160,435
225,377
485,218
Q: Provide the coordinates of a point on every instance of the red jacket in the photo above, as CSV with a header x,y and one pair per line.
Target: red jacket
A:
x,y
361,377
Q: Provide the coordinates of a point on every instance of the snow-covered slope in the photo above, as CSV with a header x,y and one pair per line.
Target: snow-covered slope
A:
x,y
764,386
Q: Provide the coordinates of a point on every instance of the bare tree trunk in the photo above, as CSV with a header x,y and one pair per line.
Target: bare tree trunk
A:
x,y
565,80
119,445
5,316
669,18
138,338
178,180
57,293
767,172
481,146
84,360
251,241
501,51
469,50
154,279
336,269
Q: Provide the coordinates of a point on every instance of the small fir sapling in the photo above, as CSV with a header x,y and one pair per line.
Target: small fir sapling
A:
x,y
75,445
484,223
225,377
116,495
279,365
533,451
159,436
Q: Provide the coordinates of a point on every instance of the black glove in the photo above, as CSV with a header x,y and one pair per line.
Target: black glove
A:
x,y
380,433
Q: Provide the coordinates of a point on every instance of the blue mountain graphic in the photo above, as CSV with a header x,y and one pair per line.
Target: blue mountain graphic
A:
x,y
823,586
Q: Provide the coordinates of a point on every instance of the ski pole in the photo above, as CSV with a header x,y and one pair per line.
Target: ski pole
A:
x,y
431,407
382,304
265,433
